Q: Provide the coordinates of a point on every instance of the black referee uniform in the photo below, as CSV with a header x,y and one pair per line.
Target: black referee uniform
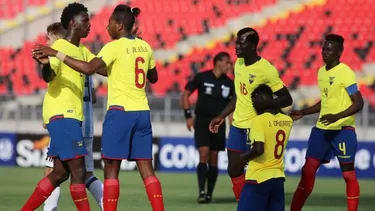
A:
x,y
213,95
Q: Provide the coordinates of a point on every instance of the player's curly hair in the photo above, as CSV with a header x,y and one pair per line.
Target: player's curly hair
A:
x,y
70,11
252,37
126,15
336,38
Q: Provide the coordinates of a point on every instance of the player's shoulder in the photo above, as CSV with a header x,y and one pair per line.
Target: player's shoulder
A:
x,y
266,65
345,68
58,44
284,117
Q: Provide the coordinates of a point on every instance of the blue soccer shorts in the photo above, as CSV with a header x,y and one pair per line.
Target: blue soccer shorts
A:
x,y
66,139
325,143
127,135
237,139
266,196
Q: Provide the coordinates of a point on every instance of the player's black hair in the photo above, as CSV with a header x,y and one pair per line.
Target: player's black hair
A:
x,y
55,29
126,15
252,37
70,11
336,38
264,90
220,56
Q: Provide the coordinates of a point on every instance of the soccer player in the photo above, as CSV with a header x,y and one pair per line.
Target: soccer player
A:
x,y
56,31
63,112
215,90
334,131
127,132
269,134
251,70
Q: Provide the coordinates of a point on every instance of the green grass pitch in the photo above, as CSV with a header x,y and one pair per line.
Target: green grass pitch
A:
x,y
180,192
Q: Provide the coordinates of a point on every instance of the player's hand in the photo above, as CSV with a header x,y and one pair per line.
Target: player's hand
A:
x,y
40,59
215,124
296,115
43,51
329,119
189,123
44,126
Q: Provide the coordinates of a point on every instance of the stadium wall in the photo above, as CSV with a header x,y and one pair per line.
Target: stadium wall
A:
x,y
175,154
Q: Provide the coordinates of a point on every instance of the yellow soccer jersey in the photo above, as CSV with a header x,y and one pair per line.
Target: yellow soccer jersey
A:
x,y
64,97
246,79
128,61
274,131
336,85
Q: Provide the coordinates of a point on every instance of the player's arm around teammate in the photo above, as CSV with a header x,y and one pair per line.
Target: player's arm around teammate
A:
x,y
335,130
215,90
250,71
127,131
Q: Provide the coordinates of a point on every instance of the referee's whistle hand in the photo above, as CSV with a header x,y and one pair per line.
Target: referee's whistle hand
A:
x,y
189,123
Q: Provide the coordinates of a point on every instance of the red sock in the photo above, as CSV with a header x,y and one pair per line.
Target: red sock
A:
x,y
352,190
154,192
111,193
79,196
40,194
306,184
238,183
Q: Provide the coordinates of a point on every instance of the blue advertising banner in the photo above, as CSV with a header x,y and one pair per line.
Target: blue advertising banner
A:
x,y
180,155
7,149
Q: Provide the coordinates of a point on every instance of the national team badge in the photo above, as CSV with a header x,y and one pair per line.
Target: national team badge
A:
x,y
331,80
251,78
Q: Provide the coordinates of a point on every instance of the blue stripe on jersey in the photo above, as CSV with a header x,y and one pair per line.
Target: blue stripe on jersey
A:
x,y
352,89
87,126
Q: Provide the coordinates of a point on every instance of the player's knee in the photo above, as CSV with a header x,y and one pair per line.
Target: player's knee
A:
x,y
347,167
235,170
58,176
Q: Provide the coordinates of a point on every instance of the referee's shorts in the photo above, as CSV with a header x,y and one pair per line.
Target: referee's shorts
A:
x,y
204,138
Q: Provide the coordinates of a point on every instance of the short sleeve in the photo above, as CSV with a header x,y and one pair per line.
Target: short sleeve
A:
x,y
349,81
151,62
53,61
257,131
108,53
193,84
273,79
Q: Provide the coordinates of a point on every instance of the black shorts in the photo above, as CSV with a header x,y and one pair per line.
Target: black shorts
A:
x,y
204,138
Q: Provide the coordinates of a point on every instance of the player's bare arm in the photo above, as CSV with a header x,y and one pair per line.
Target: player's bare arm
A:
x,y
357,105
47,73
87,68
186,106
284,99
102,72
256,150
152,75
298,114
217,121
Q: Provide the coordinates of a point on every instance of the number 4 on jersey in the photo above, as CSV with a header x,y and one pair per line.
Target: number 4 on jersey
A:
x,y
139,73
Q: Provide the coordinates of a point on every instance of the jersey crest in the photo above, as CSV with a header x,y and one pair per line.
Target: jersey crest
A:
x,y
331,80
251,78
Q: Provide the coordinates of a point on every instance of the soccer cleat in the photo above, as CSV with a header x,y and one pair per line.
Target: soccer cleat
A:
x,y
202,198
208,199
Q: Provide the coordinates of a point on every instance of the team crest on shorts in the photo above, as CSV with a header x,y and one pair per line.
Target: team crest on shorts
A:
x,y
251,78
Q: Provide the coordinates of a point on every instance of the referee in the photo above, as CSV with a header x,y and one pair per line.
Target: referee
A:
x,y
215,89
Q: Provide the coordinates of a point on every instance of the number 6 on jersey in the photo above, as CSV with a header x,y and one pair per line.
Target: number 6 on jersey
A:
x,y
140,75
